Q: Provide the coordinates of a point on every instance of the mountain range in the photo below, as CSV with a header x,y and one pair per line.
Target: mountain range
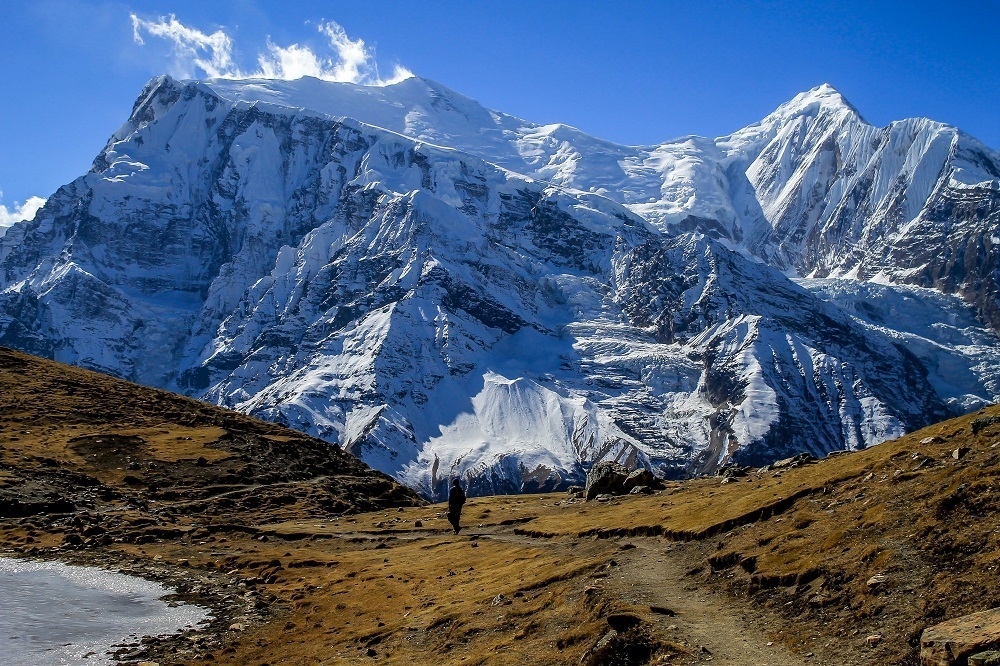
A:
x,y
445,290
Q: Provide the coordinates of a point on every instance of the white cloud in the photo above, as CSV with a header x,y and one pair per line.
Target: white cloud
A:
x,y
196,52
292,62
193,49
18,212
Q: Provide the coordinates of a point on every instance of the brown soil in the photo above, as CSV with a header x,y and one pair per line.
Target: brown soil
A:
x,y
653,574
792,566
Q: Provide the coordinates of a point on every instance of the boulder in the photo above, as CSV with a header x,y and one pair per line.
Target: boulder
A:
x,y
988,658
980,424
733,471
606,478
954,641
794,461
641,477
877,580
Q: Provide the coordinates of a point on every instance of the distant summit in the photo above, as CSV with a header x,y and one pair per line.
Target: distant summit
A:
x,y
447,290
825,96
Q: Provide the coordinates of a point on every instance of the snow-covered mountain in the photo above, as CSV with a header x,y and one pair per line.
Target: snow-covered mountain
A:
x,y
443,289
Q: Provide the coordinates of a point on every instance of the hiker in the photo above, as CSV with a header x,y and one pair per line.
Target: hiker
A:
x,y
456,498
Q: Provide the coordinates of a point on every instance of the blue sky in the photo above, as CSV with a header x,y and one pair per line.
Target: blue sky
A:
x,y
631,72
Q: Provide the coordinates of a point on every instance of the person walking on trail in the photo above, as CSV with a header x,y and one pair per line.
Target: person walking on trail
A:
x,y
456,498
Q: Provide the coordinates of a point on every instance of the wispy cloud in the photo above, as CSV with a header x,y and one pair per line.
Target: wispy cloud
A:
x,y
25,211
211,55
193,50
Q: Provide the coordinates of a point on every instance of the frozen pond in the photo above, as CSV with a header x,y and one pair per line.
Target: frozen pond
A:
x,y
53,613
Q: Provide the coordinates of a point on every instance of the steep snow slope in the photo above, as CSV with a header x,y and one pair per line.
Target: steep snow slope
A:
x,y
812,189
915,202
442,289
957,350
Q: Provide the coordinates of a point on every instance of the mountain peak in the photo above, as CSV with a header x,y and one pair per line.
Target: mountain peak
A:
x,y
403,285
823,97
825,89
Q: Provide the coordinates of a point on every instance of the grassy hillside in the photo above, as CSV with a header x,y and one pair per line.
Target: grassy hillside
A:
x,y
75,440
883,542
307,556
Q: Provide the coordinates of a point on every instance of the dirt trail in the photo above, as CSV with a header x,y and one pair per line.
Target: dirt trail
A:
x,y
717,630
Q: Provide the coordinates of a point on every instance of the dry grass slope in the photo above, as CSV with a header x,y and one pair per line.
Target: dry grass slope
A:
x,y
262,523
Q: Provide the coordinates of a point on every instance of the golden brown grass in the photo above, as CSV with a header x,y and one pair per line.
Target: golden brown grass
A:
x,y
522,583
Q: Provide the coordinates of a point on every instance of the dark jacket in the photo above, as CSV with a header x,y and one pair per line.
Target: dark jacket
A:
x,y
456,498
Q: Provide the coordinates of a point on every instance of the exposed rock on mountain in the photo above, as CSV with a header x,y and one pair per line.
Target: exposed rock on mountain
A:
x,y
442,289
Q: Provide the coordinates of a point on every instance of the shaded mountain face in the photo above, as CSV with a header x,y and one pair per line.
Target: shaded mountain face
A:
x,y
445,290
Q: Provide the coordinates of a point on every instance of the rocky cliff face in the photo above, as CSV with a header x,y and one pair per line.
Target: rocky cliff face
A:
x,y
442,289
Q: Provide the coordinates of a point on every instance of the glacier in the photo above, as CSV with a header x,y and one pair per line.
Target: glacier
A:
x,y
446,290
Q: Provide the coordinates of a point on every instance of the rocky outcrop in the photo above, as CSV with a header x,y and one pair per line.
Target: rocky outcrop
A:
x,y
951,643
641,478
610,478
606,478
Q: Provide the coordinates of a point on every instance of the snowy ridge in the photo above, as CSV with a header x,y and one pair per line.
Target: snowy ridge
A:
x,y
446,290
